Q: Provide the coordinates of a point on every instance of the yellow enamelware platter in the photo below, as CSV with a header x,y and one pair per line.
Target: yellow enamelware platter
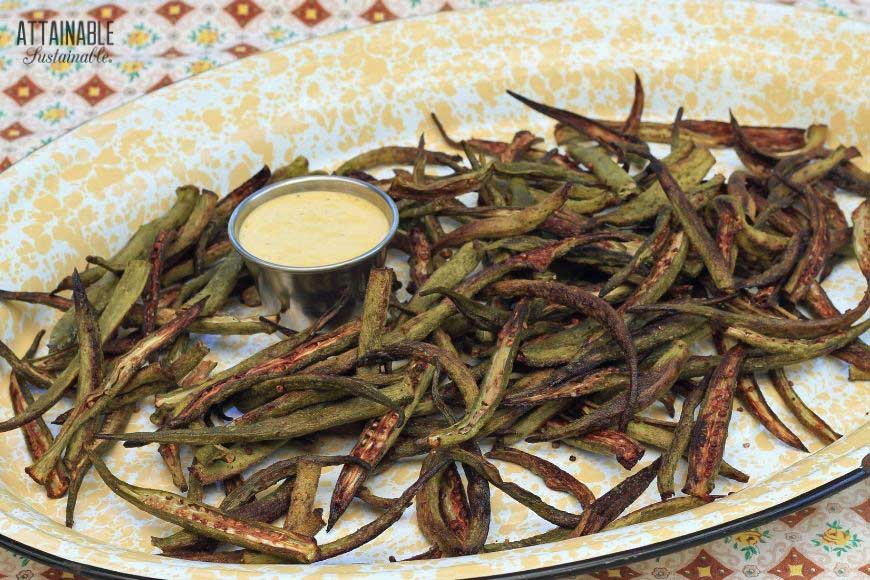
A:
x,y
333,97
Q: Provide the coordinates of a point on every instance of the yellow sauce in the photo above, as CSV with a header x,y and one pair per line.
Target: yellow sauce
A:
x,y
313,228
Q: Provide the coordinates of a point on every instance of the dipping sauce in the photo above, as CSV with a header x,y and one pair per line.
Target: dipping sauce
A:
x,y
313,228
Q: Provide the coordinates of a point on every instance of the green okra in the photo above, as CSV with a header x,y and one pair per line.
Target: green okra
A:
x,y
193,285
688,172
622,447
114,422
492,388
802,412
604,168
655,511
208,521
693,226
374,316
554,535
482,316
663,272
96,402
377,438
553,476
394,156
37,437
660,378
753,400
375,528
296,168
191,230
229,202
449,361
533,421
460,265
90,366
531,501
215,464
63,334
301,517
520,195
124,295
772,326
607,508
707,441
24,369
430,518
647,249
536,170
259,367
185,269
798,347
680,442
781,193
521,222
454,507
296,424
219,285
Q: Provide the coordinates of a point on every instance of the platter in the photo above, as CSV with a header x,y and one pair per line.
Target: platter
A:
x,y
333,97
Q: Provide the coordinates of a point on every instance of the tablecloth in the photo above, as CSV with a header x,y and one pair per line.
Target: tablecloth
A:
x,y
159,42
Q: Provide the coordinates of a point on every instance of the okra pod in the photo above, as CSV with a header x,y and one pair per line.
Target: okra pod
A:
x,y
753,399
493,386
374,317
124,295
707,442
554,477
521,222
208,521
37,437
654,384
801,411
377,437
592,306
662,509
607,508
96,402
301,517
680,442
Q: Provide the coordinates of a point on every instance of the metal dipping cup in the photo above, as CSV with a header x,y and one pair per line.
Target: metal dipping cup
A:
x,y
303,294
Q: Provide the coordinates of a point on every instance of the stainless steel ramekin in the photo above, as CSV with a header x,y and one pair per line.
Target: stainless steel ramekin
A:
x,y
303,294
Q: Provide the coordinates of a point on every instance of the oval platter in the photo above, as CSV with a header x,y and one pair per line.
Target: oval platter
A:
x,y
332,97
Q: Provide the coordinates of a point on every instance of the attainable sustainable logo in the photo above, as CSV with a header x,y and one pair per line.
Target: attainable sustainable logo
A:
x,y
71,41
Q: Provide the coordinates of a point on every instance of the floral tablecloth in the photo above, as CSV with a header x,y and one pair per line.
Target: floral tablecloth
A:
x,y
158,42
